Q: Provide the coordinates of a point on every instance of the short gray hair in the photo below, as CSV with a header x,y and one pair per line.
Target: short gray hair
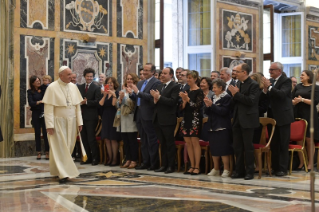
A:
x,y
279,65
217,72
227,70
220,83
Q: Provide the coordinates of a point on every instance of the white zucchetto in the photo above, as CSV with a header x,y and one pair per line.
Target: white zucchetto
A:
x,y
62,68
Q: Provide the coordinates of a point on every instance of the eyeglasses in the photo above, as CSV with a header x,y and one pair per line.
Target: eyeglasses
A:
x,y
272,69
182,75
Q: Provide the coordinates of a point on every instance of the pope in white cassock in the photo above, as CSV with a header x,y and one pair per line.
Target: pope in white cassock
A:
x,y
63,121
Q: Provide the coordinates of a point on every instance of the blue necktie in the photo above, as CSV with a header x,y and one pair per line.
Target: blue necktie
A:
x,y
142,89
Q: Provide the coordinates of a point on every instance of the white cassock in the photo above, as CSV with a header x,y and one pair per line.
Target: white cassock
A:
x,y
62,112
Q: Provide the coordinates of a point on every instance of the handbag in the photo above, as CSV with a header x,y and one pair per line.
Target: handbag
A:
x,y
117,119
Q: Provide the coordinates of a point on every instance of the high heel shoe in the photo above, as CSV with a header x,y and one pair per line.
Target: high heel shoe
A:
x,y
39,156
132,165
301,168
127,164
188,172
47,155
194,173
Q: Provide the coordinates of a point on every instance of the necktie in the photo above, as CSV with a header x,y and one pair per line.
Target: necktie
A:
x,y
142,89
182,86
273,83
164,86
86,88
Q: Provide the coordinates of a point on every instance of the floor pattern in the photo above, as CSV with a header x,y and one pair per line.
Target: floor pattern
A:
x,y
26,185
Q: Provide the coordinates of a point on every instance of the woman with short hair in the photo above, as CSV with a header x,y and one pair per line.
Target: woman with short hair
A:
x,y
220,133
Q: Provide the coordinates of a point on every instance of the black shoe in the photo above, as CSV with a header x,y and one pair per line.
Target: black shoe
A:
x,y
187,172
169,170
141,167
95,162
86,162
63,180
249,177
300,169
280,174
151,168
162,169
236,175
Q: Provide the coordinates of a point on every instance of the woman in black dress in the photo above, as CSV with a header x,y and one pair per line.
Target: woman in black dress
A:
x,y
108,132
301,100
219,127
35,95
191,126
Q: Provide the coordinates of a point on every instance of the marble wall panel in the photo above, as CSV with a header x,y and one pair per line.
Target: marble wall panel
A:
x,y
36,58
79,56
130,18
129,57
237,31
37,14
84,16
313,43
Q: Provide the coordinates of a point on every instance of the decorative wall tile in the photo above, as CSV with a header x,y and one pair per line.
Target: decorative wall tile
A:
x,y
231,62
313,67
79,56
129,57
237,31
130,18
313,43
85,16
37,14
36,58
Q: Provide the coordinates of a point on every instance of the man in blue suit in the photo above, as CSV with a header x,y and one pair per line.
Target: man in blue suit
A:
x,y
144,115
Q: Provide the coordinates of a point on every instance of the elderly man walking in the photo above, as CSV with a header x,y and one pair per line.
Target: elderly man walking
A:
x,y
63,120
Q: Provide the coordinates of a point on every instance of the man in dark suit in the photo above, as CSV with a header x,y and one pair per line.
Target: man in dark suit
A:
x,y
91,94
278,91
143,117
245,99
226,75
164,119
183,86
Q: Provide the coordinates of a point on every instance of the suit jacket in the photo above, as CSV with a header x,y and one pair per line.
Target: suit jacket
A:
x,y
146,99
280,101
180,113
93,96
232,82
164,112
246,104
219,113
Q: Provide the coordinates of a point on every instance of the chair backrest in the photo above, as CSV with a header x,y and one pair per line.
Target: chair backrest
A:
x,y
178,123
298,130
264,133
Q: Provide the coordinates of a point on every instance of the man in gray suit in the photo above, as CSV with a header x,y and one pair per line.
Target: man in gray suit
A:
x,y
143,117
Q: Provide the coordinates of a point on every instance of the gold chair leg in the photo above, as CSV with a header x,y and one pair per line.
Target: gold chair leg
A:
x,y
160,154
259,163
206,160
268,162
179,149
291,158
121,152
305,162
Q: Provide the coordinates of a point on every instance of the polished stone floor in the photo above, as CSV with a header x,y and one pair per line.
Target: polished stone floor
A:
x,y
26,185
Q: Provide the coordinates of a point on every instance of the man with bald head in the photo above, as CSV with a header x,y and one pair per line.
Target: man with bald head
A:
x,y
63,121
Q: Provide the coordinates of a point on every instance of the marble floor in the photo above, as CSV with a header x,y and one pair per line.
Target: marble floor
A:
x,y
26,185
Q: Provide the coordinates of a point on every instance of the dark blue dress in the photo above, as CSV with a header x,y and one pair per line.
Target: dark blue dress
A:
x,y
109,112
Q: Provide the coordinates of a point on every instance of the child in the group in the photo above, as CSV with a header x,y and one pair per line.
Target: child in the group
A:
x,y
47,79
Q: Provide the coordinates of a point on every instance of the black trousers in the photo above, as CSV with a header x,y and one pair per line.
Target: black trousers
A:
x,y
165,134
149,145
130,145
89,140
244,149
38,124
279,148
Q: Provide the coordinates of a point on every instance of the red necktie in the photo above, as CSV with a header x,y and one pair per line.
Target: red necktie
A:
x,y
86,88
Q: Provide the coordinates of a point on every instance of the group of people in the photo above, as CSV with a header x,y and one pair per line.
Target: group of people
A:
x,y
148,105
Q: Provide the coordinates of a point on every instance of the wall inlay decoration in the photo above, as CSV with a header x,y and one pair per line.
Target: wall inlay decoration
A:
x,y
37,58
313,43
231,62
130,18
37,14
129,57
313,67
237,31
86,16
79,56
